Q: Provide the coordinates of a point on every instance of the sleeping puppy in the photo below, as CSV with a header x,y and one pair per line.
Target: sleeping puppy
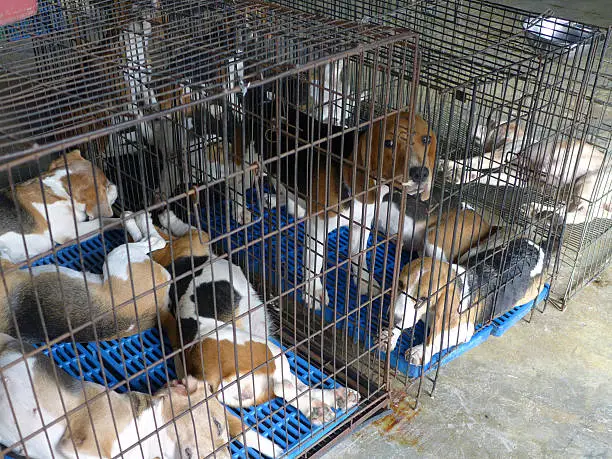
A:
x,y
71,189
505,140
457,231
454,299
338,192
34,393
224,328
70,300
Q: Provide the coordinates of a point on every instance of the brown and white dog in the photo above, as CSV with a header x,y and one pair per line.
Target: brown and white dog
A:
x,y
446,238
224,328
505,140
34,394
453,299
72,197
343,192
118,301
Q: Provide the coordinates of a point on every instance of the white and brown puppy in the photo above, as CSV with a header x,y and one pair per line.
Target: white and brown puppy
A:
x,y
34,393
446,237
340,193
224,326
453,299
131,292
558,163
74,197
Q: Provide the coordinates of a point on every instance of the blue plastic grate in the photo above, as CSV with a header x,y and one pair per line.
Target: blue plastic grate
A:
x,y
362,323
506,321
49,18
118,361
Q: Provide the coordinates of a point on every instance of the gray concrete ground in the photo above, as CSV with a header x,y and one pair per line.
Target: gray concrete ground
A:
x,y
542,390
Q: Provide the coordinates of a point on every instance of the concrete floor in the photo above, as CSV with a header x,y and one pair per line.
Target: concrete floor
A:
x,y
542,390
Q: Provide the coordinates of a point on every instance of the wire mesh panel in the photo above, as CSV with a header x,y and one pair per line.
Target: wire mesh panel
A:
x,y
189,265
586,249
505,92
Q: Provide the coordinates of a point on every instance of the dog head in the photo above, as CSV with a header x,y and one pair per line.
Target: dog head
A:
x,y
199,426
418,148
86,183
500,131
424,284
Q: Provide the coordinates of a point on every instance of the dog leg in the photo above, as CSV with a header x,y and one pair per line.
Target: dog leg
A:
x,y
316,404
242,214
314,257
359,243
459,334
172,224
454,171
251,438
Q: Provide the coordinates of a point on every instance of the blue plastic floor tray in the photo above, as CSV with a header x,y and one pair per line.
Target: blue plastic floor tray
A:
x,y
114,363
356,318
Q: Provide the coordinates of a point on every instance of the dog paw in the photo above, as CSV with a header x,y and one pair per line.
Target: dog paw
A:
x,y
156,243
131,226
383,339
346,398
320,413
145,223
415,356
316,295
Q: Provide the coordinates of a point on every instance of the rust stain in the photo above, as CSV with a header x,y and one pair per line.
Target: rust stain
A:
x,y
397,426
403,412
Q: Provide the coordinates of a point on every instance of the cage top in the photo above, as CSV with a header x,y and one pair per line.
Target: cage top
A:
x,y
79,77
467,41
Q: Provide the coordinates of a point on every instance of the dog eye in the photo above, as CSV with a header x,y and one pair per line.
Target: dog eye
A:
x,y
426,139
401,285
388,143
188,453
218,426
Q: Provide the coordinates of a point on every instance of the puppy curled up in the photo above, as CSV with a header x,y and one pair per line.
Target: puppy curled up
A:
x,y
91,423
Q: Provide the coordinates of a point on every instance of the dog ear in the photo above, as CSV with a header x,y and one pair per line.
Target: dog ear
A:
x,y
74,155
79,437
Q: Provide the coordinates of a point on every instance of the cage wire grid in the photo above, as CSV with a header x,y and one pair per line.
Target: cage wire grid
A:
x,y
479,57
169,62
96,88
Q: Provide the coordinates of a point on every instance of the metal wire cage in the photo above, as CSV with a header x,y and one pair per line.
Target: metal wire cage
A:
x,y
144,147
507,92
586,249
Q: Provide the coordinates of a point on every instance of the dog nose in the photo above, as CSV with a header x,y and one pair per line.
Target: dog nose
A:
x,y
418,174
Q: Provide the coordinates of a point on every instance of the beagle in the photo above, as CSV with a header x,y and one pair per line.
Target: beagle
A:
x,y
224,328
92,422
575,165
70,300
453,299
72,197
446,238
339,191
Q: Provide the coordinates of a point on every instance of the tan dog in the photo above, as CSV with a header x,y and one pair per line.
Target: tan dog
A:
x,y
73,189
102,425
453,300
118,301
346,194
458,231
